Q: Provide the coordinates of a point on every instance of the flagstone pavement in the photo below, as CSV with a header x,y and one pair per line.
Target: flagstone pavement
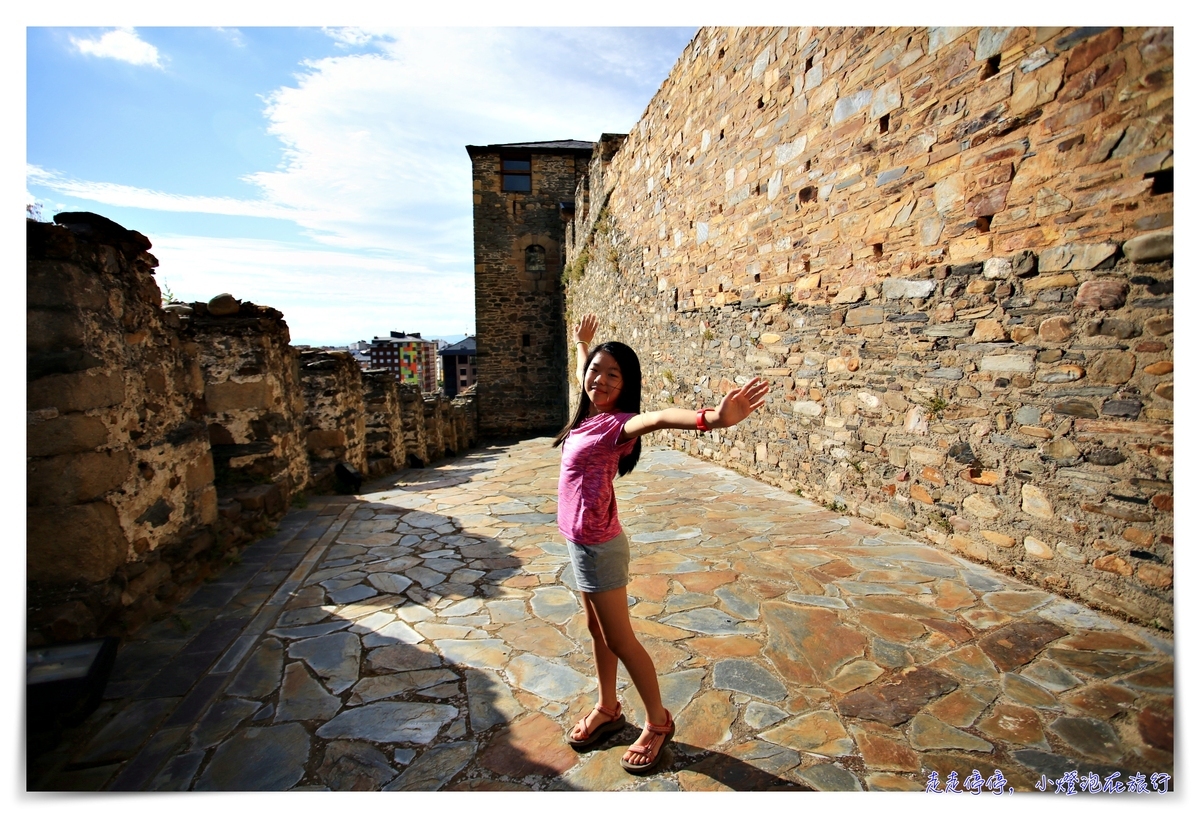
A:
x,y
424,636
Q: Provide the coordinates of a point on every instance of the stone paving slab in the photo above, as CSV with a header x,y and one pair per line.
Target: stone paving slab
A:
x,y
424,636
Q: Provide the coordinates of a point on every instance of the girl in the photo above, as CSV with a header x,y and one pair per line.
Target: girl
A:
x,y
602,440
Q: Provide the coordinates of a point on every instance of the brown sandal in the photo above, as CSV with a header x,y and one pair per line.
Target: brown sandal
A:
x,y
667,730
616,722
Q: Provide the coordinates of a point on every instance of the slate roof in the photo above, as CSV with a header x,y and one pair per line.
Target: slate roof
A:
x,y
464,347
553,146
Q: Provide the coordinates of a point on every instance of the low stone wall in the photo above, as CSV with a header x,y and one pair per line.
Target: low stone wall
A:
x,y
435,435
412,409
119,473
949,250
384,423
252,397
334,414
129,405
466,418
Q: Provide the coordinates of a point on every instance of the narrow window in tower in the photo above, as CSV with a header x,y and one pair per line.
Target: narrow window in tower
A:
x,y
516,175
535,259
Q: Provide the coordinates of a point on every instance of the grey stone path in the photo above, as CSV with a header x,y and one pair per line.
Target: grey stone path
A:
x,y
424,636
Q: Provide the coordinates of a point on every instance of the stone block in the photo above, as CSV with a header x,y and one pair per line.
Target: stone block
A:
x,y
319,439
1056,329
65,434
1035,503
1050,282
896,288
864,316
1161,325
1112,367
200,472
53,330
979,506
1074,257
81,543
997,268
988,202
1006,363
1102,293
1036,548
266,497
996,538
75,478
1149,247
206,505
232,395
76,392
55,284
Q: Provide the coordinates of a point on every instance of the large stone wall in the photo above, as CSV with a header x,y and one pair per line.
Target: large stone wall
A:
x,y
119,473
127,405
950,251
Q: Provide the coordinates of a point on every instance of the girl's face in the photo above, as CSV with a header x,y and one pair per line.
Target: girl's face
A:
x,y
602,382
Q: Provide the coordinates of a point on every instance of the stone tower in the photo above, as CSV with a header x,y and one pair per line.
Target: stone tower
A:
x,y
524,195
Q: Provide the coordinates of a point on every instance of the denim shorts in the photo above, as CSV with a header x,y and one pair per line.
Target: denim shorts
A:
x,y
600,567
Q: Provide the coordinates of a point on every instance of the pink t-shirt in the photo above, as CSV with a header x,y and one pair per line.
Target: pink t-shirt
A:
x,y
587,506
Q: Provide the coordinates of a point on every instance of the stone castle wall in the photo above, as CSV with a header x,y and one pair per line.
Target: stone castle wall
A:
x,y
335,421
951,253
412,409
159,441
384,423
118,467
252,396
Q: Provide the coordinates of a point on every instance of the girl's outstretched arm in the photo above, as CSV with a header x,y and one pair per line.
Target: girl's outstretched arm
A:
x,y
734,408
583,333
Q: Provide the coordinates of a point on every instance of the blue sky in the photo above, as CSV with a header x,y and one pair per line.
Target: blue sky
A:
x,y
321,171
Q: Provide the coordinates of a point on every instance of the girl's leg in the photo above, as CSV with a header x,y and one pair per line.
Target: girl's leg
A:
x,y
606,668
611,611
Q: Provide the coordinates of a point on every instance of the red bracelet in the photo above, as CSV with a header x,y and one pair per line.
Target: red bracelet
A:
x,y
700,424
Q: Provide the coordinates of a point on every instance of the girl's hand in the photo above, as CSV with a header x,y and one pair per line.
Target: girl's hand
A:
x,y
585,330
738,404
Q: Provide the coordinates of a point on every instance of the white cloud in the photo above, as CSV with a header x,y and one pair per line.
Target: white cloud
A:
x,y
127,196
233,35
374,143
326,296
122,44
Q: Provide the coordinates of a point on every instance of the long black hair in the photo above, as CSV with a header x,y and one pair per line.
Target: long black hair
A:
x,y
628,400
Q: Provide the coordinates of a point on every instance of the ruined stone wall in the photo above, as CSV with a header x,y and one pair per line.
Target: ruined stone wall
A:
x,y
129,405
435,444
518,311
384,423
950,251
467,417
254,406
119,474
412,408
334,414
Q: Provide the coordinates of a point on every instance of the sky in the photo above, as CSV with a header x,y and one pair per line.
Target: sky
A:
x,y
318,170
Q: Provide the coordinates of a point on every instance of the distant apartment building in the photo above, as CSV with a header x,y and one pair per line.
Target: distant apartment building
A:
x,y
409,357
458,366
